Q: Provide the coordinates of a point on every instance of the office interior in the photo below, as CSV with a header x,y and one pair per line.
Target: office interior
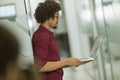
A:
x,y
80,22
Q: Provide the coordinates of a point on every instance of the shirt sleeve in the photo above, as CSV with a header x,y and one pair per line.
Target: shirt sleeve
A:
x,y
41,48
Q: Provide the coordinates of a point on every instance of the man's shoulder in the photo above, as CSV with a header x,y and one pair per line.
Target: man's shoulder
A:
x,y
41,33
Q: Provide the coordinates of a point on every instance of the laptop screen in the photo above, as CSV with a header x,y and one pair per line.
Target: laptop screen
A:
x,y
95,46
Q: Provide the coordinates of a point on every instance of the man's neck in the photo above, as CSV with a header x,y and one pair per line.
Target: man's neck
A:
x,y
46,26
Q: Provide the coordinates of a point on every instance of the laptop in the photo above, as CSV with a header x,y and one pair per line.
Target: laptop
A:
x,y
94,50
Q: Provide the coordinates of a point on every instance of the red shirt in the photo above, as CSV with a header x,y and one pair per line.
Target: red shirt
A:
x,y
45,49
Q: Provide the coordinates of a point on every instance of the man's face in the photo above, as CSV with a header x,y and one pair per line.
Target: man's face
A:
x,y
54,21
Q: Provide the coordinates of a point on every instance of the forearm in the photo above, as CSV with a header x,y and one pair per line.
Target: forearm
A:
x,y
51,66
69,62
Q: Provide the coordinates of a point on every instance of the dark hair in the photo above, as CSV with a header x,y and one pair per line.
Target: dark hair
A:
x,y
9,48
46,10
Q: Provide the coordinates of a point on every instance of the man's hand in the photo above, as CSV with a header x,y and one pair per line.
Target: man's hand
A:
x,y
72,62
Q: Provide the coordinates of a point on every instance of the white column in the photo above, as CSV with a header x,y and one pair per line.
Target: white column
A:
x,y
72,28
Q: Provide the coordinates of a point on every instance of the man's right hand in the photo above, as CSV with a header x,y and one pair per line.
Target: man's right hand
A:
x,y
72,62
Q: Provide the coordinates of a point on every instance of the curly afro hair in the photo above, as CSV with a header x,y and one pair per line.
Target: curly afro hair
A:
x,y
46,10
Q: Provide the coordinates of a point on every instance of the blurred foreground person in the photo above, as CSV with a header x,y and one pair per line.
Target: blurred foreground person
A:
x,y
30,74
45,48
9,53
9,50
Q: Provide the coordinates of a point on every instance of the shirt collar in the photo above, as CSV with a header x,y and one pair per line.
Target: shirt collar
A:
x,y
42,27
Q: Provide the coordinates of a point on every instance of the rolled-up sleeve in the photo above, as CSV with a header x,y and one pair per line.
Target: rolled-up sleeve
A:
x,y
40,47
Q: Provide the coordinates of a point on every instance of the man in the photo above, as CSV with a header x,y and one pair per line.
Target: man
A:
x,y
9,51
9,57
44,44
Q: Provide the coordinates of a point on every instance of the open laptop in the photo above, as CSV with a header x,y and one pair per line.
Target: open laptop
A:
x,y
94,50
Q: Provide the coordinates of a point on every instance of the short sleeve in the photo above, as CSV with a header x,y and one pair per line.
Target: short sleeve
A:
x,y
40,47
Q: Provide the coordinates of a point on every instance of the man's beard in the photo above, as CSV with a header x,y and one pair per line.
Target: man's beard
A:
x,y
55,27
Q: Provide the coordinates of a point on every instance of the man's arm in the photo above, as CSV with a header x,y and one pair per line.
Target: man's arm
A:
x,y
69,62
